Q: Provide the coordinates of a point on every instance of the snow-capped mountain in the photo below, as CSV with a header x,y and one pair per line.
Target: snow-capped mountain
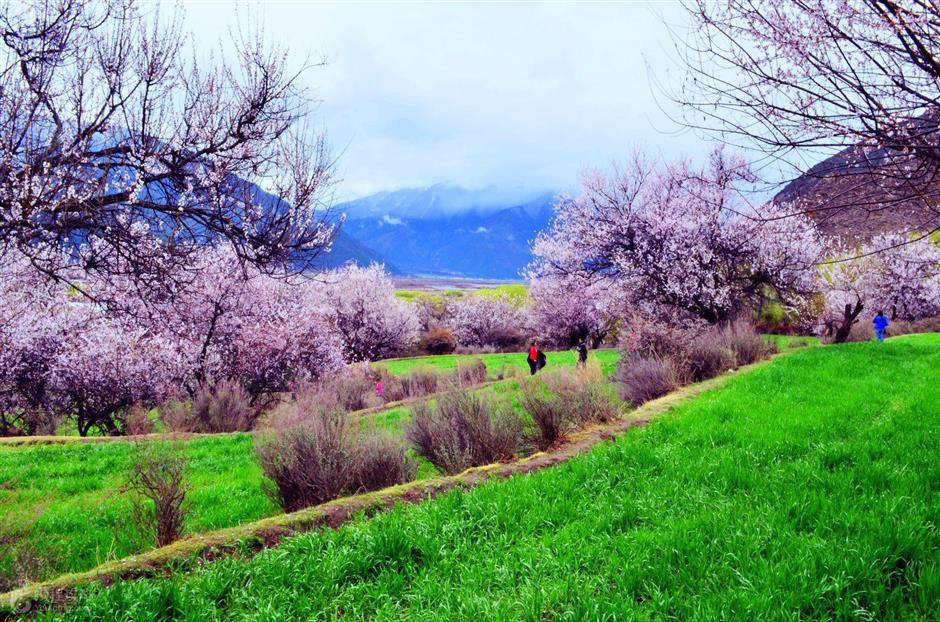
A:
x,y
450,231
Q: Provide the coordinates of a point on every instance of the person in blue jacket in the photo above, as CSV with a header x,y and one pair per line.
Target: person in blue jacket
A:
x,y
881,324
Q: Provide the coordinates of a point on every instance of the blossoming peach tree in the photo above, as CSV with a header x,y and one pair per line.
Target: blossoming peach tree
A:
x,y
676,239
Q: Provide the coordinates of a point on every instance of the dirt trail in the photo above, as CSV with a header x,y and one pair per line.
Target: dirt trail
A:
x,y
256,536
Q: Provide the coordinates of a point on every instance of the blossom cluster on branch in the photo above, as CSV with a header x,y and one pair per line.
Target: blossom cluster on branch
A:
x,y
119,151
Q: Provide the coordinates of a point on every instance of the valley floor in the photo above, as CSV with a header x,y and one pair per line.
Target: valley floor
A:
x,y
806,489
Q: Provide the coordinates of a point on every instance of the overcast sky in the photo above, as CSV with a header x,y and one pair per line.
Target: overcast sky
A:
x,y
475,94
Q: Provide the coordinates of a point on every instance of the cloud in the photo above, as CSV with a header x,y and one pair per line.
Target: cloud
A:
x,y
391,220
481,230
477,94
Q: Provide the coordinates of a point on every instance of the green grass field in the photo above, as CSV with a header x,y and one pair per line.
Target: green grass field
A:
x,y
62,509
63,503
502,361
516,293
804,490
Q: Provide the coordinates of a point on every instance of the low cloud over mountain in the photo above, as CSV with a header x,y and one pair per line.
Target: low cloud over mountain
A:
x,y
450,231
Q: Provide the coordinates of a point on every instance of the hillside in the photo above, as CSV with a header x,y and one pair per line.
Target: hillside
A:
x,y
347,249
859,193
803,489
447,231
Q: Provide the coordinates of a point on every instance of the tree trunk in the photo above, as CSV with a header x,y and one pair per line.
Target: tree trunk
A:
x,y
849,317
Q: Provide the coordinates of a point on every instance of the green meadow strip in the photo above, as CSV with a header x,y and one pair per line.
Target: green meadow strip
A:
x,y
806,489
270,530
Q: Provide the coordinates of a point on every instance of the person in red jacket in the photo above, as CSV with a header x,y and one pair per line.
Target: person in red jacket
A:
x,y
533,358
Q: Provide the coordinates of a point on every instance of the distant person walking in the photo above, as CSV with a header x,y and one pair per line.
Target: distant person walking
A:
x,y
533,358
582,353
881,325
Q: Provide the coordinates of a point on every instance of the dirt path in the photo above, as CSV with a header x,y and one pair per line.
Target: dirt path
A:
x,y
256,536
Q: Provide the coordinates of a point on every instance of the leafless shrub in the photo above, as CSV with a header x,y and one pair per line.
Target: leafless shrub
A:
x,y
566,398
667,338
354,392
177,415
137,420
487,349
421,381
381,462
440,441
310,402
318,454
925,325
642,379
506,339
157,482
462,430
309,463
222,407
584,393
471,373
747,344
25,559
709,355
549,415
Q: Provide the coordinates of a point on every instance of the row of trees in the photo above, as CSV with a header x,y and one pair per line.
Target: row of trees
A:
x,y
680,243
668,242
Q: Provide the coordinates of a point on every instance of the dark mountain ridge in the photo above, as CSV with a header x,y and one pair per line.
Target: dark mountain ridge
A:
x,y
859,193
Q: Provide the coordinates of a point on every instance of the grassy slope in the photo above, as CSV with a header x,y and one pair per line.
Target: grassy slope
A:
x,y
806,490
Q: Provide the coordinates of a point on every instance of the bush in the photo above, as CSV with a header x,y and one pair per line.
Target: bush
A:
x,y
382,462
549,415
462,430
309,463
584,393
420,381
319,455
438,341
355,391
506,339
709,355
223,407
311,401
925,325
157,481
423,381
137,421
566,398
746,343
661,339
471,373
643,379
177,415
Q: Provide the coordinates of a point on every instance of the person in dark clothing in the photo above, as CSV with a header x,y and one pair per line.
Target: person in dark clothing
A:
x,y
582,353
540,360
881,325
533,359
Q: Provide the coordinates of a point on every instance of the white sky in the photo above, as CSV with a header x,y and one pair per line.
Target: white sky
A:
x,y
475,94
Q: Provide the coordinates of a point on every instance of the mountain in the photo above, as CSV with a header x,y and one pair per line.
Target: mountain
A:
x,y
859,193
347,249
450,231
